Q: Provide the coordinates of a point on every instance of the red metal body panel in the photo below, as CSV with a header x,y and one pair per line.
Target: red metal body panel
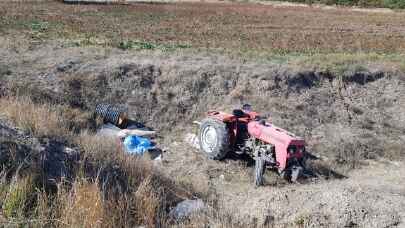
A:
x,y
278,137
265,132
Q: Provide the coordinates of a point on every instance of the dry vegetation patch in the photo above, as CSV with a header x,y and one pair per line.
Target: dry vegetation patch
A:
x,y
39,120
108,188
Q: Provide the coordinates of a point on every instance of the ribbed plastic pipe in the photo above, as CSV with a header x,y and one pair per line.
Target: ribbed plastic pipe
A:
x,y
112,114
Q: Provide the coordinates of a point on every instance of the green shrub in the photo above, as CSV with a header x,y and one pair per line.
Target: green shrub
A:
x,y
3,192
17,197
141,45
125,45
39,26
395,4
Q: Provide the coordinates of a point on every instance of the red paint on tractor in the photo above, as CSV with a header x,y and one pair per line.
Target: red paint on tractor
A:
x,y
278,137
260,129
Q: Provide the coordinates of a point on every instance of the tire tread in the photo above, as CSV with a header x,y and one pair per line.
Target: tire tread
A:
x,y
223,138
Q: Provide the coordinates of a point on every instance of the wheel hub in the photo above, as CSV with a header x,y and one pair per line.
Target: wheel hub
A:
x,y
209,139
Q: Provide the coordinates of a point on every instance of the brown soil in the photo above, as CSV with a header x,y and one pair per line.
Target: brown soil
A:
x,y
241,27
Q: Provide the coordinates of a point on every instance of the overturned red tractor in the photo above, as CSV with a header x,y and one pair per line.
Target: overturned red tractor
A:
x,y
245,131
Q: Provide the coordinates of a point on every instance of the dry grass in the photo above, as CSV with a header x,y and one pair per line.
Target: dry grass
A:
x,y
232,26
39,120
16,201
84,206
337,63
44,119
150,200
111,188
134,191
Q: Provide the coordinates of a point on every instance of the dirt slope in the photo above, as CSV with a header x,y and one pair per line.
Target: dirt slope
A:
x,y
360,109
373,196
346,119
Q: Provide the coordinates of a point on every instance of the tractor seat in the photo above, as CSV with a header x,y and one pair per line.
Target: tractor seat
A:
x,y
238,113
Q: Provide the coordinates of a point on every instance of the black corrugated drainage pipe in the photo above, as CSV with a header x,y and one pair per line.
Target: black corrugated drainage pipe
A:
x,y
112,114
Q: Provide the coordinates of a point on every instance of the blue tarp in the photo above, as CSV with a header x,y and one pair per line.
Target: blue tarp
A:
x,y
137,145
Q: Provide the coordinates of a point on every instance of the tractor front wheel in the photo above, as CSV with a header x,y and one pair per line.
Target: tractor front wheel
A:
x,y
259,171
214,138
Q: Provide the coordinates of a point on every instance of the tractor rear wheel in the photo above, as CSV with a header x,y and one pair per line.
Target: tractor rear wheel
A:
x,y
214,138
259,171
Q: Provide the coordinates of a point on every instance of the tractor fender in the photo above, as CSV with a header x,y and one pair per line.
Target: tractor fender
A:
x,y
273,135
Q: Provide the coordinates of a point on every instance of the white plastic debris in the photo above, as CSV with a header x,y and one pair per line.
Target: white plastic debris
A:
x,y
126,132
108,130
192,140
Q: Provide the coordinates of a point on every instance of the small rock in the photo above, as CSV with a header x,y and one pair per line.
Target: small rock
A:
x,y
185,208
69,151
63,67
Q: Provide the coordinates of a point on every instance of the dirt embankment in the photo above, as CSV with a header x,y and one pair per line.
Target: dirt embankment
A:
x,y
357,113
345,118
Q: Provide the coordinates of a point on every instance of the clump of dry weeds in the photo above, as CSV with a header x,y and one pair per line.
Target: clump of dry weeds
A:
x,y
44,119
84,206
109,189
39,120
